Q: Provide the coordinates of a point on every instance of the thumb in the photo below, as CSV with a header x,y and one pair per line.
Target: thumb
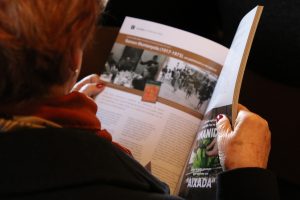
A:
x,y
223,124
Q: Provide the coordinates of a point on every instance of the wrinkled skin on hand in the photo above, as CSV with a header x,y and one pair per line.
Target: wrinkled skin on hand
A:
x,y
247,144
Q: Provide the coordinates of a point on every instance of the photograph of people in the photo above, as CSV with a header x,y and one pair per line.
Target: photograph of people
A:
x,y
131,67
186,84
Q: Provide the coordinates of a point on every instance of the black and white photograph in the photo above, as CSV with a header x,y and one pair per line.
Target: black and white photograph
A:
x,y
186,84
132,67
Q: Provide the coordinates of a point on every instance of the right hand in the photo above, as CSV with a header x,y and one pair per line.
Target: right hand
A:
x,y
248,144
90,85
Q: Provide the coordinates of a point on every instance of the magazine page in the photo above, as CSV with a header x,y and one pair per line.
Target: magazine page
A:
x,y
227,90
199,179
157,135
186,66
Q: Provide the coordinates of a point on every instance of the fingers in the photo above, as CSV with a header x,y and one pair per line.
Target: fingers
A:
x,y
212,148
93,78
92,89
245,115
90,85
223,125
248,145
242,107
213,152
242,113
211,144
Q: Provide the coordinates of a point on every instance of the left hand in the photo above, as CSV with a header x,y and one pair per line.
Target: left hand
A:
x,y
90,85
247,144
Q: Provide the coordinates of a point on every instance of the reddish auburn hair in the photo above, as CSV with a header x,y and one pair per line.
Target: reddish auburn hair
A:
x,y
36,42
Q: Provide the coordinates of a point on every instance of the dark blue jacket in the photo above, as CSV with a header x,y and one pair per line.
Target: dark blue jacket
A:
x,y
73,164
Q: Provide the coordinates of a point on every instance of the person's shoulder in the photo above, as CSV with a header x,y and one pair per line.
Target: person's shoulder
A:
x,y
76,156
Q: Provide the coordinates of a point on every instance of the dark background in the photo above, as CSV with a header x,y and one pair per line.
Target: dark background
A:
x,y
271,85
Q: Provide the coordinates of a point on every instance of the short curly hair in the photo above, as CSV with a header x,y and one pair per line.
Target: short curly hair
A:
x,y
36,40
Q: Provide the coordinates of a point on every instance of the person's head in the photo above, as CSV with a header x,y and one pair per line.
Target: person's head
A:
x,y
41,43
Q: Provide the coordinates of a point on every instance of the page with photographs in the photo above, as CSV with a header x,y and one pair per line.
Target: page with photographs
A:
x,y
159,130
186,65
199,178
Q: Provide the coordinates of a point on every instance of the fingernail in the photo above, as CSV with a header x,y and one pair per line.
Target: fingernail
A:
x,y
219,117
100,85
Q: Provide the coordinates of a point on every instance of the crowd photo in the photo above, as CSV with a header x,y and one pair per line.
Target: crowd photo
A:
x,y
186,84
181,82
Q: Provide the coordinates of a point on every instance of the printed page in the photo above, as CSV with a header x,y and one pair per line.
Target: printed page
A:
x,y
155,133
175,38
227,89
199,179
186,65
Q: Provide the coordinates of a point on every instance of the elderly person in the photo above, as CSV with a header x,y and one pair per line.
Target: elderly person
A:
x,y
51,142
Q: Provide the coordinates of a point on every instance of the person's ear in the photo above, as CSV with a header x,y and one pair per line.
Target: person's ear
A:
x,y
77,55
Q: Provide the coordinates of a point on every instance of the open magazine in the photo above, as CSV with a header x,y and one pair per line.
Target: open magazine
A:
x,y
165,88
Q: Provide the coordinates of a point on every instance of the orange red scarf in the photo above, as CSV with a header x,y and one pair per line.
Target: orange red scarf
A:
x,y
74,110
